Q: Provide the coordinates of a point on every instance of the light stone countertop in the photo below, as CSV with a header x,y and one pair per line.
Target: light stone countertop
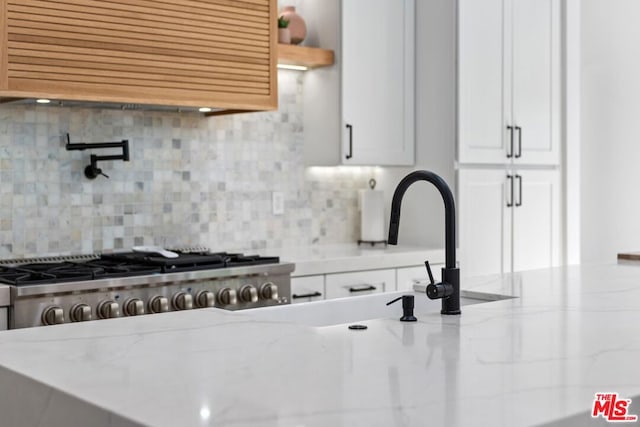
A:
x,y
324,259
533,360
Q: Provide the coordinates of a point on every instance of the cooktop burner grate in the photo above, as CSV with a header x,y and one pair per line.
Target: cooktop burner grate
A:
x,y
123,264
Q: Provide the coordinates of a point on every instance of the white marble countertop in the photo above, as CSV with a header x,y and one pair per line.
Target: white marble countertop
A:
x,y
324,259
534,360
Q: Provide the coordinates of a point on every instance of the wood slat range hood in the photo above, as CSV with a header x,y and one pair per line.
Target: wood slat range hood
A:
x,y
187,54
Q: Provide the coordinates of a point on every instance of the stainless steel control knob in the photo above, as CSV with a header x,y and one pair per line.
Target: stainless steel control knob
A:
x,y
269,291
248,293
52,315
182,301
108,309
158,304
133,307
205,299
227,296
80,313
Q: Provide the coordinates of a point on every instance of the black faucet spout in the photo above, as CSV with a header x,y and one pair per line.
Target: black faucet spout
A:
x,y
449,290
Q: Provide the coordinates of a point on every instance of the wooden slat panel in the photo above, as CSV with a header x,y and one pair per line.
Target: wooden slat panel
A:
x,y
51,36
160,15
35,51
148,95
210,8
132,82
117,64
4,54
245,6
33,20
131,24
273,48
138,74
45,42
216,53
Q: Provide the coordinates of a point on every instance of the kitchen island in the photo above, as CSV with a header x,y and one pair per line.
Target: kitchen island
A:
x,y
537,359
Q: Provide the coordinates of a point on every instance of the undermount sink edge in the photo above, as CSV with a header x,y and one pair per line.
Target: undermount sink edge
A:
x,y
359,309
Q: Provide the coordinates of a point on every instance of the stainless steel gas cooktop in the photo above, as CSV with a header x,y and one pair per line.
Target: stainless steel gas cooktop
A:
x,y
58,290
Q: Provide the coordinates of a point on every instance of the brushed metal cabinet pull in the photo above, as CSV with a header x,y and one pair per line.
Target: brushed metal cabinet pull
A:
x,y
510,192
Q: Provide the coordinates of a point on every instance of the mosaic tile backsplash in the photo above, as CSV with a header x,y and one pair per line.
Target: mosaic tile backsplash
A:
x,y
191,181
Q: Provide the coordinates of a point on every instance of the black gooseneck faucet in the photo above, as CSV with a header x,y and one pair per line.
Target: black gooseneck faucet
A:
x,y
449,289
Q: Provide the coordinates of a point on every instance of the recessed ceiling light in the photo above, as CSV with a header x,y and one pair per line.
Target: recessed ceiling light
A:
x,y
292,67
204,110
43,101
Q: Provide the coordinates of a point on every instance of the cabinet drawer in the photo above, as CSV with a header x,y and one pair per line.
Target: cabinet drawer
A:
x,y
306,289
406,277
360,283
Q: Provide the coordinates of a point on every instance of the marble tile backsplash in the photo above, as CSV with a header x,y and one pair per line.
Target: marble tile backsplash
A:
x,y
191,181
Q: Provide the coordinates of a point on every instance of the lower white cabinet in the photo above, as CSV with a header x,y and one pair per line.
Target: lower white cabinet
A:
x,y
406,277
509,220
4,319
307,289
352,284
360,283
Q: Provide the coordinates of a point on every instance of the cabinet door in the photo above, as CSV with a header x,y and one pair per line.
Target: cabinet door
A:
x,y
360,283
536,79
484,106
536,220
307,289
378,82
484,201
406,277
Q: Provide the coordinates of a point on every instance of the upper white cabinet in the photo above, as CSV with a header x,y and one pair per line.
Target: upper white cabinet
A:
x,y
509,82
371,120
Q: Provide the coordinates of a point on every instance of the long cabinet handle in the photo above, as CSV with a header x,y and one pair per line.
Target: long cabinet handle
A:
x,y
510,192
363,288
519,201
510,149
309,295
519,153
350,153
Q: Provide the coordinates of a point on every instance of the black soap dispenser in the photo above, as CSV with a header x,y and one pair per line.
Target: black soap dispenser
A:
x,y
407,308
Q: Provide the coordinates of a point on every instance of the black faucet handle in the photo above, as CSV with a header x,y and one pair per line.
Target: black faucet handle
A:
x,y
426,264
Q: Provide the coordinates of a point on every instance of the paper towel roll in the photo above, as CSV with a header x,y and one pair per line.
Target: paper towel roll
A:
x,y
372,216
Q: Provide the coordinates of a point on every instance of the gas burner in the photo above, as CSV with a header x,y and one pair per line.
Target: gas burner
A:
x,y
184,262
237,260
34,274
49,291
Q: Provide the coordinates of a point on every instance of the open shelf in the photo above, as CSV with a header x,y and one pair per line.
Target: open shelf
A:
x,y
304,56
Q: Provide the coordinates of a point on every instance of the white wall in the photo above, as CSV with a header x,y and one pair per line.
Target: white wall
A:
x,y
610,159
422,220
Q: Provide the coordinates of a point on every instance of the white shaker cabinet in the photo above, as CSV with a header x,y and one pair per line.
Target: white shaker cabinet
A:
x,y
509,82
360,283
510,220
536,219
371,121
